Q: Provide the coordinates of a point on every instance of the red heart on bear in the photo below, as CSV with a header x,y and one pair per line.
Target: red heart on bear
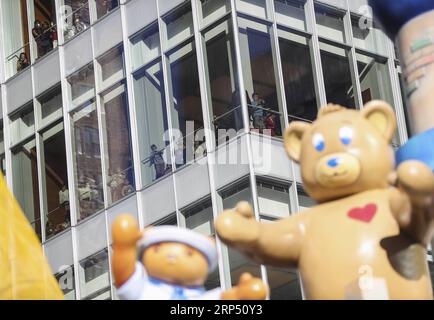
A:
x,y
363,214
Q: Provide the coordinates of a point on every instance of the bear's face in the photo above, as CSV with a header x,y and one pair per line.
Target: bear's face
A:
x,y
344,151
176,263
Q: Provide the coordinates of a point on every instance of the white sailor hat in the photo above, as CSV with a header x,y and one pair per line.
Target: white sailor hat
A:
x,y
193,239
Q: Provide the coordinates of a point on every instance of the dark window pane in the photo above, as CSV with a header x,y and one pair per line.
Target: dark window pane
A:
x,y
259,77
56,181
337,76
298,77
26,182
186,102
87,160
116,121
152,123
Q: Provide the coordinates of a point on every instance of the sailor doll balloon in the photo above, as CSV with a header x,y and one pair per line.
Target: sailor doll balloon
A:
x,y
170,263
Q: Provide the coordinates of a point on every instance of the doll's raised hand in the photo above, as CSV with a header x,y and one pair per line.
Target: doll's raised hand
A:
x,y
248,288
125,231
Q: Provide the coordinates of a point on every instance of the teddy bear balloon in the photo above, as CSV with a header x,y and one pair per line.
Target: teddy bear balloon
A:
x,y
170,263
367,236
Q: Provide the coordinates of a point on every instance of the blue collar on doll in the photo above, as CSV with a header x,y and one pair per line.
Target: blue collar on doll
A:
x,y
159,282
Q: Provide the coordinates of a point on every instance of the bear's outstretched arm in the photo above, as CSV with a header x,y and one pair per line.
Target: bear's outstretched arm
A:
x,y
277,243
126,233
412,202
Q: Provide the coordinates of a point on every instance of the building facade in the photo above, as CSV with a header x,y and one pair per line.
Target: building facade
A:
x,y
172,111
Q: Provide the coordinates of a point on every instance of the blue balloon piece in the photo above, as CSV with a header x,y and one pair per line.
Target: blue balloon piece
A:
x,y
393,14
420,147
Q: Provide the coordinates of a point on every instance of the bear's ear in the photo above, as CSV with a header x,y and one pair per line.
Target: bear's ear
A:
x,y
292,140
381,115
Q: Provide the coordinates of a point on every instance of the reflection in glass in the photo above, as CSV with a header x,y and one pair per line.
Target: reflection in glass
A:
x,y
179,25
298,77
116,121
112,67
105,6
26,183
95,277
214,9
253,7
16,36
77,17
238,262
22,124
375,82
82,85
66,280
337,75
259,77
186,104
145,46
2,150
88,172
152,123
367,35
291,13
330,22
51,105
222,77
284,284
56,181
199,218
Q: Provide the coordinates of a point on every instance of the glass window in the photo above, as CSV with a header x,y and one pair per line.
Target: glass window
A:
x,y
77,18
291,13
330,23
116,123
16,36
2,150
304,201
367,35
337,75
273,200
179,25
214,9
298,77
145,46
50,106
111,67
66,280
237,261
82,85
284,284
375,82
88,172
26,182
44,29
56,181
260,78
95,277
224,97
152,123
407,114
253,7
105,6
199,218
186,106
22,124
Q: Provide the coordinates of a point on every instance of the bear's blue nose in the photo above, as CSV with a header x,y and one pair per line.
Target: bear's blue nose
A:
x,y
333,163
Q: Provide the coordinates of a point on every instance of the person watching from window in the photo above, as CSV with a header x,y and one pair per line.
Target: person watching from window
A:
x,y
258,105
22,62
